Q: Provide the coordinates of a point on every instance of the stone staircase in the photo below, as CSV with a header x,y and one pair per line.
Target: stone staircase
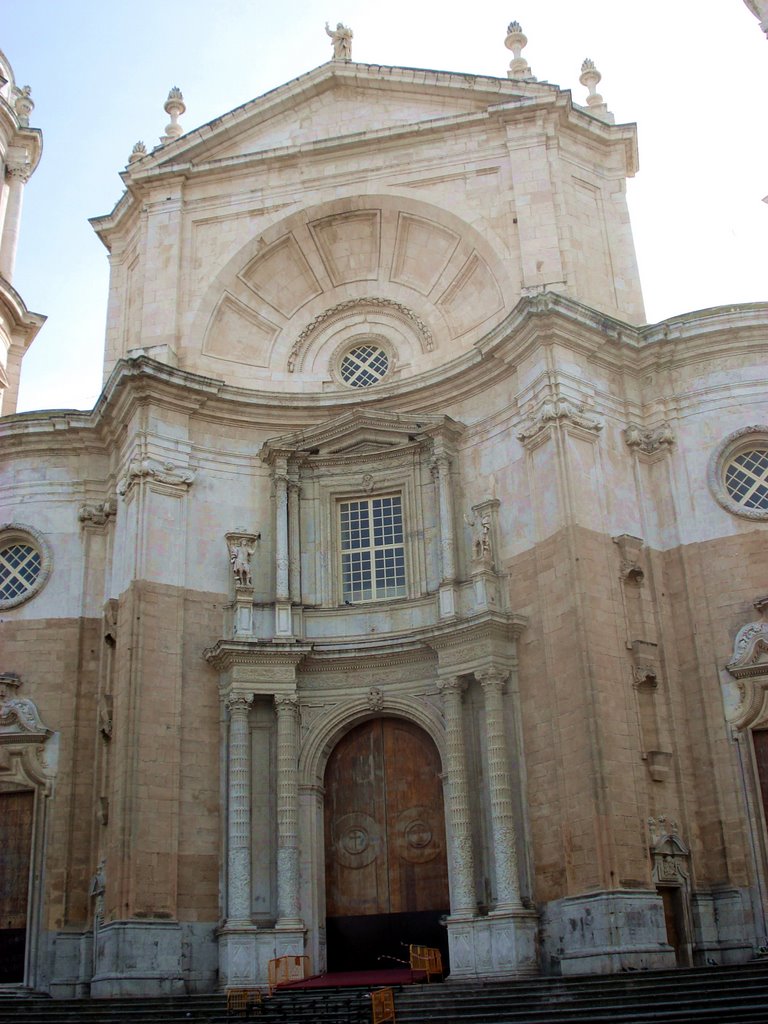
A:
x,y
720,995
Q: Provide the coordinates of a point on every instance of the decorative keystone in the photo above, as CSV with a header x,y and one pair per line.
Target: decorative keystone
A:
x,y
516,40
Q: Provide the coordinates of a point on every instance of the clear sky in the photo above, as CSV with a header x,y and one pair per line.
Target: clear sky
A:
x,y
693,75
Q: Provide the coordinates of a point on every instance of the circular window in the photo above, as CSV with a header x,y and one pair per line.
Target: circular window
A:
x,y
739,473
25,564
364,365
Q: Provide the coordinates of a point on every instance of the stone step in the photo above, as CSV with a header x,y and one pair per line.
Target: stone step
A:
x,y
735,994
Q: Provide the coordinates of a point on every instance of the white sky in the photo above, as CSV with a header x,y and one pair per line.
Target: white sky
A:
x,y
693,75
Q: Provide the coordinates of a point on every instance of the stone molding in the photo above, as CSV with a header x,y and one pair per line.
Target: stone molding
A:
x,y
340,312
630,567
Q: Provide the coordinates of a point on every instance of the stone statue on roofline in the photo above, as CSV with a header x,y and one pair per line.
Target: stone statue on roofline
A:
x,y
341,37
760,10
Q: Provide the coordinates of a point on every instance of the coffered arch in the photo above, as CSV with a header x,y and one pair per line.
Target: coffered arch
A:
x,y
417,278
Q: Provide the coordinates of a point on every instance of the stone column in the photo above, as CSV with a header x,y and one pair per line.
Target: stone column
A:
x,y
502,813
18,176
441,466
294,542
463,898
239,817
283,615
282,591
288,903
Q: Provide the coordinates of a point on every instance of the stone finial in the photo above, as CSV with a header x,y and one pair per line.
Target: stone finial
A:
x,y
139,150
174,106
24,105
515,41
341,37
590,78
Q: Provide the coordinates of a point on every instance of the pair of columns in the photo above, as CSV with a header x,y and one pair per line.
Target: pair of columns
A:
x,y
239,814
464,898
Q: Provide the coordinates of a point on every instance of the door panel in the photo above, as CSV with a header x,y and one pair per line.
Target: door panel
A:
x,y
16,811
386,868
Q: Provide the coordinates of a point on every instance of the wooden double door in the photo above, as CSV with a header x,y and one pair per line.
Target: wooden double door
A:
x,y
385,848
16,815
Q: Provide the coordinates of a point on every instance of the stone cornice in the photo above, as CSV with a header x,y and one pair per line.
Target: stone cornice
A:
x,y
544,319
24,325
226,654
185,156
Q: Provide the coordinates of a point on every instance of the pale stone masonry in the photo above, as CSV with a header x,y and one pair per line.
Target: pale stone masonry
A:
x,y
388,472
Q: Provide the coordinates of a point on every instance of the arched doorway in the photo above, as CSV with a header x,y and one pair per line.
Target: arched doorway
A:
x,y
386,874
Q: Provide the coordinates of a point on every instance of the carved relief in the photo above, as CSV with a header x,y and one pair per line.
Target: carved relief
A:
x,y
559,410
669,854
241,547
177,477
335,315
649,441
97,513
749,666
630,549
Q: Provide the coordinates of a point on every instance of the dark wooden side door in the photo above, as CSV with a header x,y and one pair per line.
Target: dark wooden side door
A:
x,y
16,810
385,850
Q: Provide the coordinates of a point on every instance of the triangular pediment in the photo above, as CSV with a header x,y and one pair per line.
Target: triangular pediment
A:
x,y
337,100
363,433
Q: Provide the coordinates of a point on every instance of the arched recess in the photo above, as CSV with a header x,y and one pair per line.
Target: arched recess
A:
x,y
429,283
28,756
745,697
380,860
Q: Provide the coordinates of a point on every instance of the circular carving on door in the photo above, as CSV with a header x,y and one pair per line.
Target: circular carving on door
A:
x,y
356,839
417,833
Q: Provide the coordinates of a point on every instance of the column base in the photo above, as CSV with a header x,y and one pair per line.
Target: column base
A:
x,y
71,965
605,933
245,952
502,945
138,958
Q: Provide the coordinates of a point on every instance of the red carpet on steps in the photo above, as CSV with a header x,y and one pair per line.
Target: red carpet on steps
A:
x,y
360,979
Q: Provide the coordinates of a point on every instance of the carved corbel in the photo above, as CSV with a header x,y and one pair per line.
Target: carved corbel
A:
x,y
644,663
177,478
649,441
97,513
630,550
558,410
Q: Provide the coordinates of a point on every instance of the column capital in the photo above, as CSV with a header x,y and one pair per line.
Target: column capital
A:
x,y
452,685
492,679
238,702
286,702
19,172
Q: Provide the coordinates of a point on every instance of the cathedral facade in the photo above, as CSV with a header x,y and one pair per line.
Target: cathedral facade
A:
x,y
403,585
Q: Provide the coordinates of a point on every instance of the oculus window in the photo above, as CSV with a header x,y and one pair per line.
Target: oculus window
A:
x,y
24,564
738,473
364,365
372,548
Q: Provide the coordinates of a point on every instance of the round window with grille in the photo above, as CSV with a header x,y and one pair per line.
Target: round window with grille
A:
x,y
364,365
739,473
25,564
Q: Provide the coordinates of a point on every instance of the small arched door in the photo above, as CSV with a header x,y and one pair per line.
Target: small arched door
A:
x,y
385,852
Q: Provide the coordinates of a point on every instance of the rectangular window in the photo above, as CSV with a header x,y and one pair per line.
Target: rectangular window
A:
x,y
372,549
